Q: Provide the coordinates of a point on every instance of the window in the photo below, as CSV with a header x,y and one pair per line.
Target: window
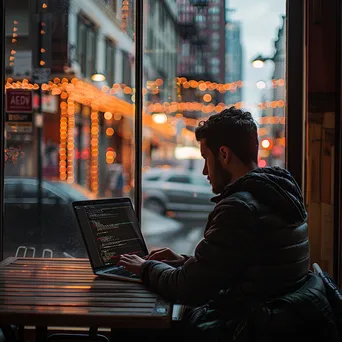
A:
x,y
110,61
114,5
13,191
30,190
214,10
86,46
86,146
186,50
203,48
126,69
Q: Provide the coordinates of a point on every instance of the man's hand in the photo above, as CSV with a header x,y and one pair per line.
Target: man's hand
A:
x,y
166,255
132,263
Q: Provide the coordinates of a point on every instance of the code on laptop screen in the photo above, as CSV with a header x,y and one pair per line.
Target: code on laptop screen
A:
x,y
109,232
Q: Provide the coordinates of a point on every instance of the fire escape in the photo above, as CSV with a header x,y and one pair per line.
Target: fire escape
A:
x,y
192,23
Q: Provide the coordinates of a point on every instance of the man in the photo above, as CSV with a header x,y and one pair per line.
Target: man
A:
x,y
255,245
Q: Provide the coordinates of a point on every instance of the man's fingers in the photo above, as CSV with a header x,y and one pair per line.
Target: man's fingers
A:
x,y
129,256
156,251
125,258
156,256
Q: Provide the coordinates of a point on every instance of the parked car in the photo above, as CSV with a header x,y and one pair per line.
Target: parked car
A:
x,y
56,228
177,193
60,232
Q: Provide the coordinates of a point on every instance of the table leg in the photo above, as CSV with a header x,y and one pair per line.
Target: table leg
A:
x,y
41,334
21,334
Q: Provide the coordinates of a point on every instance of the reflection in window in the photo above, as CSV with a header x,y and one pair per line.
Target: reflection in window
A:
x,y
179,179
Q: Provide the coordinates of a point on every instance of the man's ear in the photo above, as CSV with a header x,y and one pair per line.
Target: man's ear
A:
x,y
224,154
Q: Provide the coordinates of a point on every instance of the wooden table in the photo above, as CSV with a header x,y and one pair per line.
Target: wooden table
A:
x,y
65,292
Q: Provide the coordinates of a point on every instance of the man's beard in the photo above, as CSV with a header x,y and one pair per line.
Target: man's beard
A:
x,y
221,178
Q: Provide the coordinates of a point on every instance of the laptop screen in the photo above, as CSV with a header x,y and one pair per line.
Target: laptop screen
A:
x,y
109,229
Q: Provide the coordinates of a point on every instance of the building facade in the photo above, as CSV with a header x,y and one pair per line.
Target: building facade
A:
x,y
234,60
202,52
87,131
272,121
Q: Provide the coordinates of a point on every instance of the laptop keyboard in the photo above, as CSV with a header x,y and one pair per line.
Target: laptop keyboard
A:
x,y
122,271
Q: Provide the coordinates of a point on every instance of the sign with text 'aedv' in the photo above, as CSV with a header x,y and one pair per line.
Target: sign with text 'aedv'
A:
x,y
19,101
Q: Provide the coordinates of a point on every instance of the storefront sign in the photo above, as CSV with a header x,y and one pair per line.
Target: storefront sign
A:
x,y
49,103
19,127
19,101
18,117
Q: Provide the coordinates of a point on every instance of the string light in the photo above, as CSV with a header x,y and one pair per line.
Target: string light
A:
x,y
42,32
70,140
207,98
14,41
63,141
110,155
221,87
94,151
108,115
272,120
89,95
124,15
153,86
109,131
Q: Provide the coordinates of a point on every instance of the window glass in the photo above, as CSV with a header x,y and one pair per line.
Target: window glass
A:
x,y
30,190
199,180
13,191
205,66
75,60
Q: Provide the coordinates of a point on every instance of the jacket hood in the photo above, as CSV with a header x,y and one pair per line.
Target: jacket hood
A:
x,y
274,187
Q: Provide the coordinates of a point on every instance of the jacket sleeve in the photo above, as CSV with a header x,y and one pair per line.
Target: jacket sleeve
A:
x,y
220,256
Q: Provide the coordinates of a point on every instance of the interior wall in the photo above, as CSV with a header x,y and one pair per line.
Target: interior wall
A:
x,y
322,60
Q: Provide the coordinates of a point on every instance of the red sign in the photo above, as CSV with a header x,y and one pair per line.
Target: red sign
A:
x,y
19,101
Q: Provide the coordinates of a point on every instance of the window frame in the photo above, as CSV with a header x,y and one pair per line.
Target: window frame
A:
x,y
2,125
295,91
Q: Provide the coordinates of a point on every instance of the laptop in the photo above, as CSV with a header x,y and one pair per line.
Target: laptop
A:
x,y
109,229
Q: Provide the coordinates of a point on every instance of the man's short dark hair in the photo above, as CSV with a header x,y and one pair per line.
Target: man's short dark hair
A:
x,y
233,128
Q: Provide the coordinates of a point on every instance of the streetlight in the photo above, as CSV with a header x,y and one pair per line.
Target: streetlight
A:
x,y
259,61
98,77
159,118
261,84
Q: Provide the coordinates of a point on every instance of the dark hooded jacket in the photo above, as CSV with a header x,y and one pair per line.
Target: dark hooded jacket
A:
x,y
255,244
250,278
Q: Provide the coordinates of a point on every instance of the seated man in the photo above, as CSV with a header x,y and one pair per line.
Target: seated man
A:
x,y
255,245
